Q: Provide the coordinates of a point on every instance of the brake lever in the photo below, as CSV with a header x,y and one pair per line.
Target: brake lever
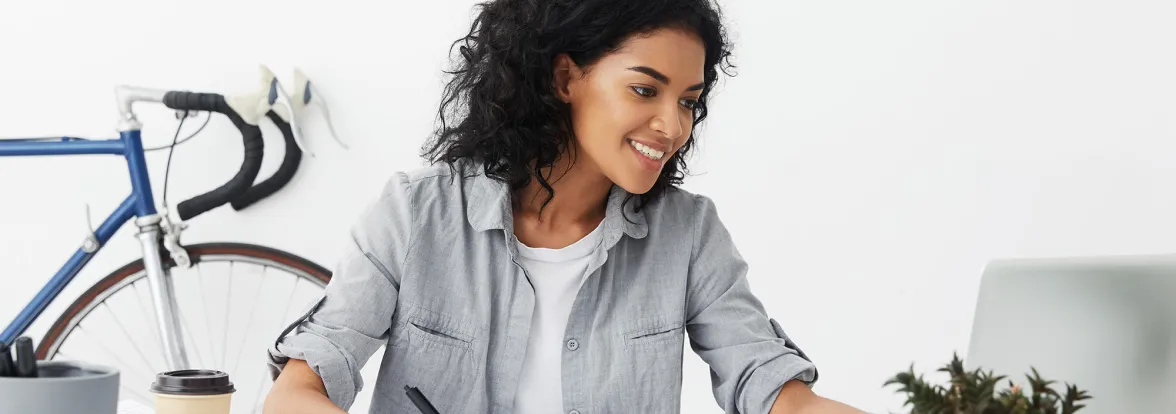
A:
x,y
281,103
306,94
272,95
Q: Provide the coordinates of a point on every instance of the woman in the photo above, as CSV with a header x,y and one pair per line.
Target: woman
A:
x,y
547,263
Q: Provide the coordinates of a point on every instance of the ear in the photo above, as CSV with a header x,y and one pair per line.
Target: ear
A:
x,y
565,72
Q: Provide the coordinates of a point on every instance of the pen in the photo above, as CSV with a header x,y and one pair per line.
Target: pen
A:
x,y
419,400
7,368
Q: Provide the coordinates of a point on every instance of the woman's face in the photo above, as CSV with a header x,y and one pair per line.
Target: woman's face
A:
x,y
634,108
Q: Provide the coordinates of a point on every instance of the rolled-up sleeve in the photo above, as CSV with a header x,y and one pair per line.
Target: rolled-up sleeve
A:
x,y
352,319
749,355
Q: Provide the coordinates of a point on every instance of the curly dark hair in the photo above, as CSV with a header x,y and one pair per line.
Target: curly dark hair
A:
x,y
508,117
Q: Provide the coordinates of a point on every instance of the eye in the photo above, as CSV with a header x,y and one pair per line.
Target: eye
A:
x,y
639,89
691,104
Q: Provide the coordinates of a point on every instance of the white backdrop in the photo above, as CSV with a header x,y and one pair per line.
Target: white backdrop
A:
x,y
869,159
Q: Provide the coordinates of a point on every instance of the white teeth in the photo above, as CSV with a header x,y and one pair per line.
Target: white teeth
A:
x,y
645,149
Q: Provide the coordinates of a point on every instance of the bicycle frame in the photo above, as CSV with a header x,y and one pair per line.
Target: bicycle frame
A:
x,y
139,205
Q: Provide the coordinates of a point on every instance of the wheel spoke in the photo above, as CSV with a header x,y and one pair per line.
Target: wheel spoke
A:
x,y
131,339
184,323
97,338
148,314
228,311
207,320
109,351
188,332
133,391
252,312
258,406
290,302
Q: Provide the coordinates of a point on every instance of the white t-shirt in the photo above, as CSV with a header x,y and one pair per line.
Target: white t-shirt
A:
x,y
556,275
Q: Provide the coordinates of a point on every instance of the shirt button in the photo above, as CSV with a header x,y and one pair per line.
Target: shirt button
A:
x,y
573,345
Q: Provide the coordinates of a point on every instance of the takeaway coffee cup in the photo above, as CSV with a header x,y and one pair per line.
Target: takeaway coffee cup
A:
x,y
192,391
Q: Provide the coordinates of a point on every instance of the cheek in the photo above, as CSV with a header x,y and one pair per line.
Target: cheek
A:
x,y
604,127
599,118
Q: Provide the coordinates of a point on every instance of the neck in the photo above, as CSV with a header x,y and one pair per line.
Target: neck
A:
x,y
581,194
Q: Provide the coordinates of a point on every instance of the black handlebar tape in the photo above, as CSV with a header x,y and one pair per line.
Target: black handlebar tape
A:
x,y
254,149
284,173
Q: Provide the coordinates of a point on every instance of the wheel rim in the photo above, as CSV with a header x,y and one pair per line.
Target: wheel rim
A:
x,y
140,359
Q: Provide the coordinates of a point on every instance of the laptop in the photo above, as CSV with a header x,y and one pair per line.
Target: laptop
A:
x,y
1107,324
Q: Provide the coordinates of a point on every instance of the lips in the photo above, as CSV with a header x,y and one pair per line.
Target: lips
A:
x,y
647,157
653,151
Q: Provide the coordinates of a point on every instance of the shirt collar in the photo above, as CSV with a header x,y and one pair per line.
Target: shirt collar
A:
x,y
488,207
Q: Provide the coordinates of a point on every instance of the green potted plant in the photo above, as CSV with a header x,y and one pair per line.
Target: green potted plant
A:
x,y
975,392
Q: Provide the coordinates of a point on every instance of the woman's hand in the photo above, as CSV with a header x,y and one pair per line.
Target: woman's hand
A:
x,y
797,398
299,390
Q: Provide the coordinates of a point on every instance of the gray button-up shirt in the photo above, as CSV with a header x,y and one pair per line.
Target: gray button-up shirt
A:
x,y
431,273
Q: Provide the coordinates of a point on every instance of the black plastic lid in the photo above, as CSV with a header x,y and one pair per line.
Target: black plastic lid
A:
x,y
192,382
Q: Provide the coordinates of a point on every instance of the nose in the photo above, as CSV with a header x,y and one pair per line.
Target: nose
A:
x,y
668,122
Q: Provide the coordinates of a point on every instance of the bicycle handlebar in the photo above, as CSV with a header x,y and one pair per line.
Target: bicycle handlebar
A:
x,y
284,173
250,166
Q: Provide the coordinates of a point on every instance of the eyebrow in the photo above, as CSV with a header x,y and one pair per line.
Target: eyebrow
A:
x,y
653,73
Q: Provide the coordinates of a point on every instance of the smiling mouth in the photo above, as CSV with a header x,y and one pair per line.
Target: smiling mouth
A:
x,y
646,150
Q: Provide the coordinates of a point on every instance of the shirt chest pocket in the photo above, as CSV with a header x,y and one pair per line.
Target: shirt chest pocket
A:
x,y
650,363
427,331
654,333
438,354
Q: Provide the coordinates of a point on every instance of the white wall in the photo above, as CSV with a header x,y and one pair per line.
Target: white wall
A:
x,y
870,157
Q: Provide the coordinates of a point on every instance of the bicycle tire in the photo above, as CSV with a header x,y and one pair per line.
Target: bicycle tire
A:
x,y
60,328
77,311
132,273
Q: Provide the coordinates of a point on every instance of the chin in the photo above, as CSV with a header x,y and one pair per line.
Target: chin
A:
x,y
637,184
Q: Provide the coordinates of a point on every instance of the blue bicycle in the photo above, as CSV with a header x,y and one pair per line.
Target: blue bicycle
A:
x,y
213,305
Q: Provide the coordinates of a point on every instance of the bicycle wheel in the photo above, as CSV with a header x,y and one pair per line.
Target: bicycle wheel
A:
x,y
233,302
